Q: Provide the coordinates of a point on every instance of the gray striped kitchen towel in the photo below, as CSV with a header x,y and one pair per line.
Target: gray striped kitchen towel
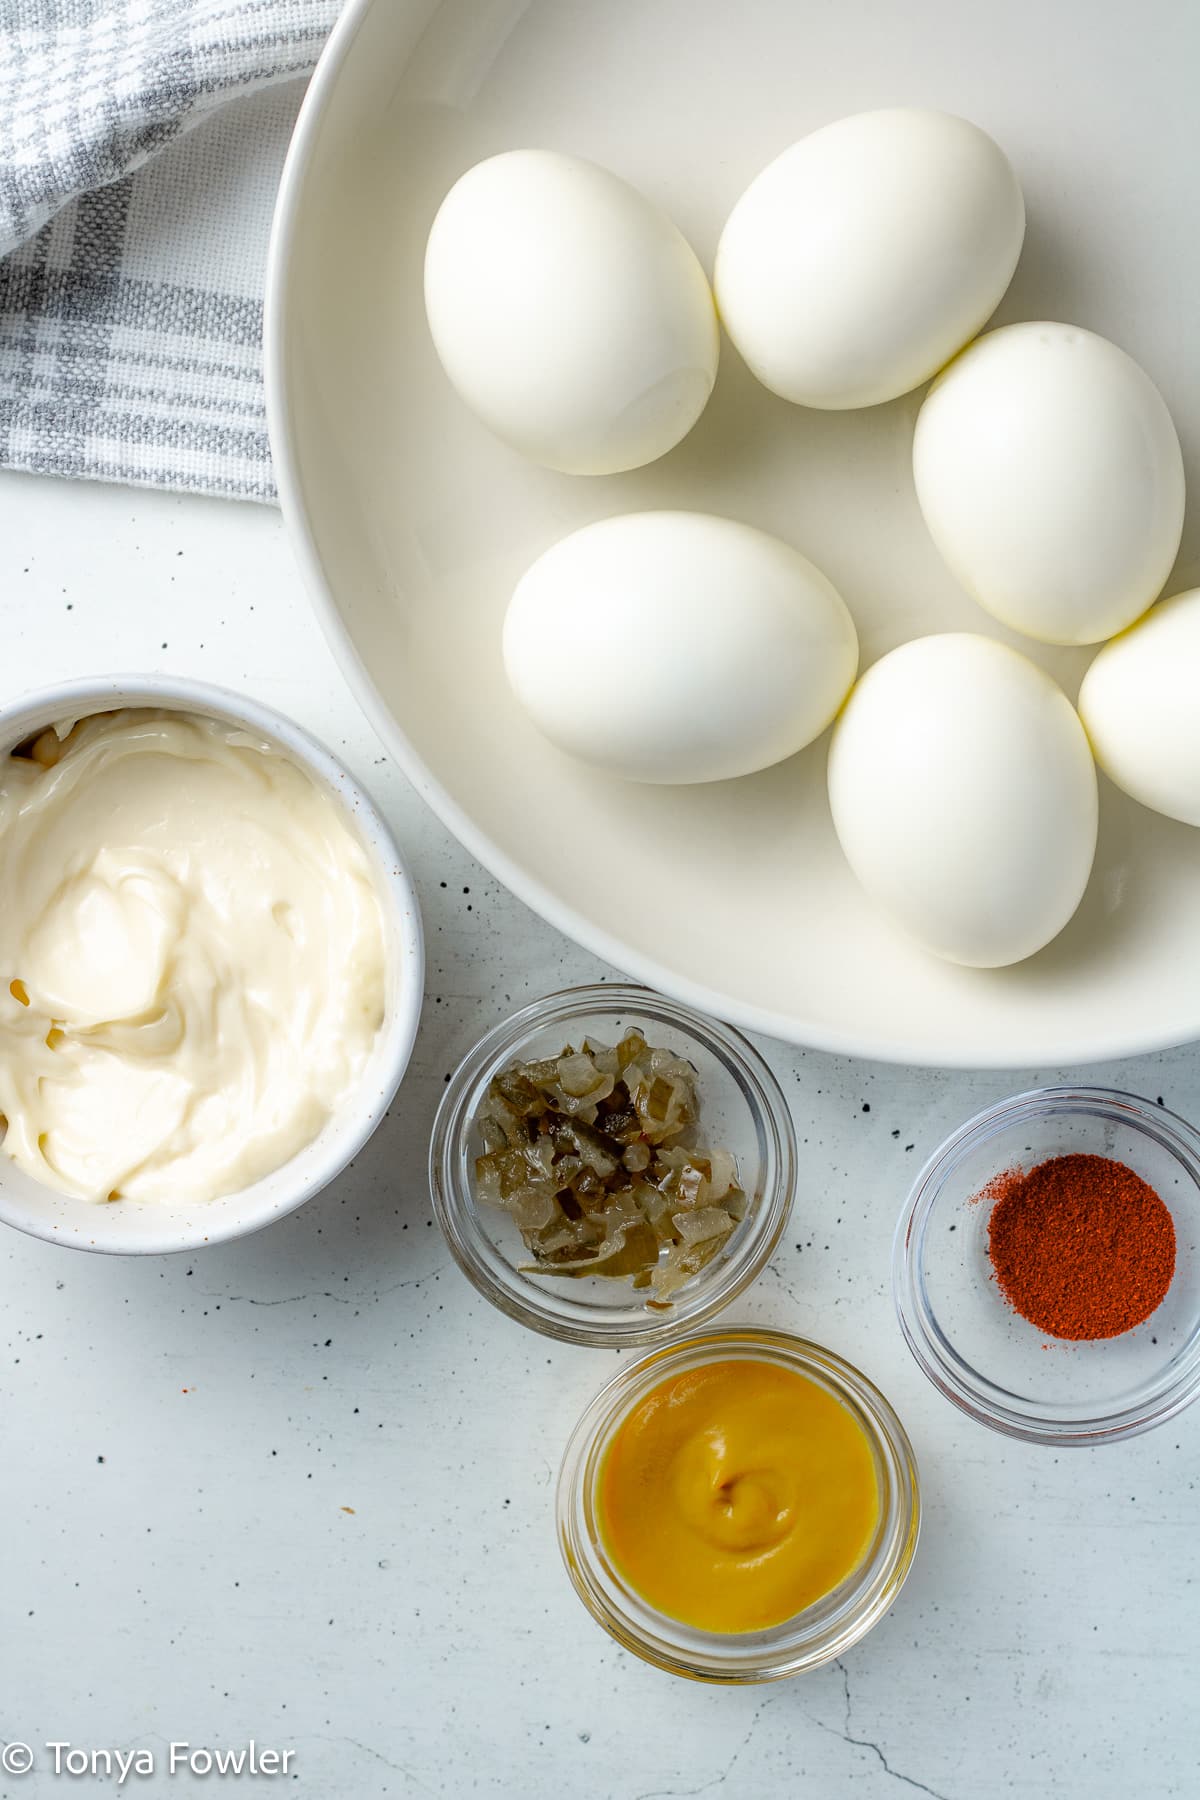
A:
x,y
131,295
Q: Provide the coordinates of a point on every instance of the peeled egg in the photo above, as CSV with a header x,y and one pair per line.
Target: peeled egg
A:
x,y
569,312
678,647
1139,705
858,262
1051,480
964,796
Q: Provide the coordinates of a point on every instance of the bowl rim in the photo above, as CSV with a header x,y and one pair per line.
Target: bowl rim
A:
x,y
1083,1044
978,1399
397,897
714,1658
501,1041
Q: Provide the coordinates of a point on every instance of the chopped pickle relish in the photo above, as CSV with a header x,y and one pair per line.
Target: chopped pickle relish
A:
x,y
593,1155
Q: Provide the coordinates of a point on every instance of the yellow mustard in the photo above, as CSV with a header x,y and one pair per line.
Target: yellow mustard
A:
x,y
735,1495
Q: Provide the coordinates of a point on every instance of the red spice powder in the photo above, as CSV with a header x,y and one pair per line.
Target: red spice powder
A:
x,y
1080,1246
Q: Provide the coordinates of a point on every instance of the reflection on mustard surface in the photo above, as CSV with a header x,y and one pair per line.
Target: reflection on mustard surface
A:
x,y
191,958
737,1494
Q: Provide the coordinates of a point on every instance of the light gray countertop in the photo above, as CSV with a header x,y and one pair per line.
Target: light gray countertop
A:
x,y
300,1488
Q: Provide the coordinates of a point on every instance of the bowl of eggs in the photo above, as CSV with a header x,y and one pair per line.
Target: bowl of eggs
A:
x,y
749,523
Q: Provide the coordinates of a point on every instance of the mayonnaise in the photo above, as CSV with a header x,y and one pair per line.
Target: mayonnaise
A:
x,y
191,958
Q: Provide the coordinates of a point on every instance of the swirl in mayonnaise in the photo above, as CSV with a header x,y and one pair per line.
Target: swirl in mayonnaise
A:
x,y
191,958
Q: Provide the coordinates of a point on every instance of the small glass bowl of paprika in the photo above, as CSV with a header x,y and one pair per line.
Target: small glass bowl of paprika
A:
x,y
1045,1267
739,1506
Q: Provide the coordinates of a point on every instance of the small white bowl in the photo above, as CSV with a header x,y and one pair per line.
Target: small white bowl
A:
x,y
129,1227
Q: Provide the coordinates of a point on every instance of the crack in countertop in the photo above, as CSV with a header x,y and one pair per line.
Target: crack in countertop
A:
x,y
867,1744
719,1779
320,1293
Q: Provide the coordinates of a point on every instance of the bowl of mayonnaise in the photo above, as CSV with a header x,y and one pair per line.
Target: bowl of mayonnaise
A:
x,y
211,965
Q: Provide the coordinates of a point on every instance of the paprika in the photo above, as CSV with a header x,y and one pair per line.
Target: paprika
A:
x,y
1080,1246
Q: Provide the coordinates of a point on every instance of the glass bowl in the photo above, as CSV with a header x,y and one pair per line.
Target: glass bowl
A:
x,y
741,1108
980,1353
823,1631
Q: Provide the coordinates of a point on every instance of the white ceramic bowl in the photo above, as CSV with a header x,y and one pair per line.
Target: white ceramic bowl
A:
x,y
129,1226
412,524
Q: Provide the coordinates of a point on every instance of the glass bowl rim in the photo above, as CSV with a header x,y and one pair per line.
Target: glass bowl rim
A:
x,y
932,1350
759,1087
781,1654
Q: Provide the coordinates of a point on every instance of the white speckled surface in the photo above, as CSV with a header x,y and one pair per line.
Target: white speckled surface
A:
x,y
184,1436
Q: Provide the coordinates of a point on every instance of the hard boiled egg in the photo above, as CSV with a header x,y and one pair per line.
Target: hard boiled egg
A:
x,y
859,261
1139,704
964,796
1051,480
678,647
569,312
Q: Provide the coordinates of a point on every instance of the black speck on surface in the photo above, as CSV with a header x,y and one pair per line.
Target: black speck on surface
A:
x,y
866,1106
896,1133
99,1459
